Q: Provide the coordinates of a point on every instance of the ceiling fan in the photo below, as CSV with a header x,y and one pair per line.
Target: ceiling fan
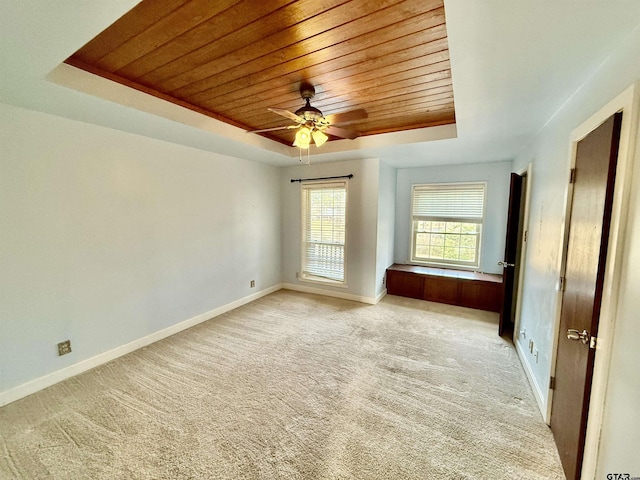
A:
x,y
312,124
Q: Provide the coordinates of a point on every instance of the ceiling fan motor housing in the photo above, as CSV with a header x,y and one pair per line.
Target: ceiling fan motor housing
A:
x,y
309,113
307,91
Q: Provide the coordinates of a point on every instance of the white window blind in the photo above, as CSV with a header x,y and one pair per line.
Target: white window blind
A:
x,y
459,203
447,224
324,208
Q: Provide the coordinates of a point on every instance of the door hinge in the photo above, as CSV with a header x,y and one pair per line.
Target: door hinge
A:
x,y
572,176
561,284
552,383
593,342
526,235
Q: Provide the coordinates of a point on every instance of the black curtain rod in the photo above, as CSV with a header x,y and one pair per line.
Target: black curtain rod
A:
x,y
323,178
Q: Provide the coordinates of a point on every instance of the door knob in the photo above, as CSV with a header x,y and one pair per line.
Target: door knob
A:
x,y
505,264
576,335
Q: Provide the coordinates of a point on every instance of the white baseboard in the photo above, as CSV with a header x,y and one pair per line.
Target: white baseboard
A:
x,y
537,391
382,294
329,293
38,384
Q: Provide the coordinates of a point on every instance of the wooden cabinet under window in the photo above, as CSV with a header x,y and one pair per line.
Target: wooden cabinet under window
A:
x,y
455,287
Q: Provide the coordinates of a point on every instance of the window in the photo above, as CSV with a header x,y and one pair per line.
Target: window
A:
x,y
447,223
324,209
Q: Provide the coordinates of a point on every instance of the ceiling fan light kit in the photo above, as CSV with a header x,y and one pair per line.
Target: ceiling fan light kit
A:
x,y
303,138
319,137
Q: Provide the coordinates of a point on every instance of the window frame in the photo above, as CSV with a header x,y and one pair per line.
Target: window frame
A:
x,y
461,265
302,275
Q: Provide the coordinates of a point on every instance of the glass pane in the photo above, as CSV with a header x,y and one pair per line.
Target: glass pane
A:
x,y
468,241
469,227
467,254
437,239
451,253
452,241
438,226
453,227
423,226
422,239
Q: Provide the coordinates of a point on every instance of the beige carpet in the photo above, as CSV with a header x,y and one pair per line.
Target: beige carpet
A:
x,y
295,386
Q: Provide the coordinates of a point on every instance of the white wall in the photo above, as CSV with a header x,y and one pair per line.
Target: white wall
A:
x,y
386,223
107,237
497,176
362,218
549,154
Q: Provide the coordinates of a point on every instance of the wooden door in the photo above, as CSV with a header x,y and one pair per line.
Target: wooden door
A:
x,y
505,326
586,255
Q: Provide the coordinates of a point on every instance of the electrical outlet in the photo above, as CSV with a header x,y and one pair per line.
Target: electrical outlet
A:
x,y
64,347
253,283
535,354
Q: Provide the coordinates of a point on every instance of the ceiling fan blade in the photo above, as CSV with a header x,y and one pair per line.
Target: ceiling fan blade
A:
x,y
273,129
346,117
341,132
287,114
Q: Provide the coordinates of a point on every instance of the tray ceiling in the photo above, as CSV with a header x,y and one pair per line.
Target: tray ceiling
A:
x,y
231,59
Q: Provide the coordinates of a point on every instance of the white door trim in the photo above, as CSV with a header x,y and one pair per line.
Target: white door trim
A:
x,y
525,172
626,102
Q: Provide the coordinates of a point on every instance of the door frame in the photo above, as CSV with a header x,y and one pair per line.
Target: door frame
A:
x,y
526,173
626,102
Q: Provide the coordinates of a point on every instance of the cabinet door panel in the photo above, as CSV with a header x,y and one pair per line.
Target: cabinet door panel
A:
x,y
441,289
485,296
404,284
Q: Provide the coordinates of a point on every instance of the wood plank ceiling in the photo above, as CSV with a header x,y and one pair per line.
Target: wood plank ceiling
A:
x,y
232,59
